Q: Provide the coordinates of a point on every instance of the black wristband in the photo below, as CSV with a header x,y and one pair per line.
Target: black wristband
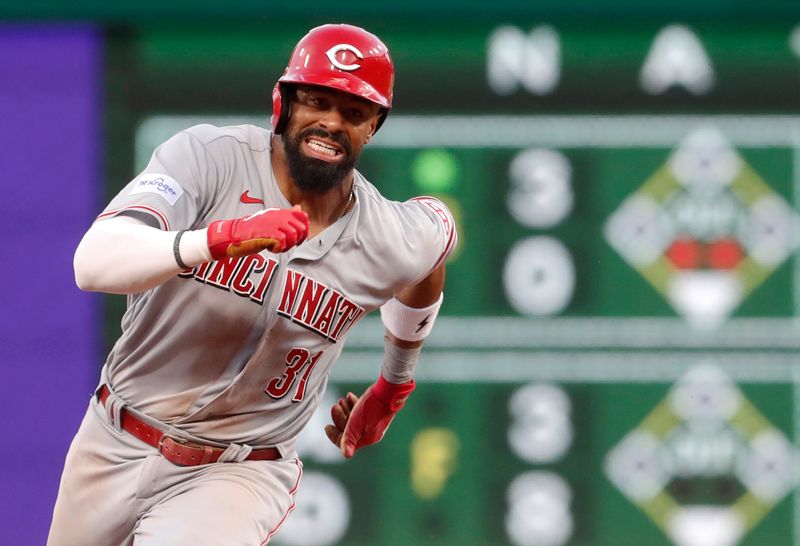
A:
x,y
176,249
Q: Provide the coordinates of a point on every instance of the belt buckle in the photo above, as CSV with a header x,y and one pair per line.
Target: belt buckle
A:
x,y
176,439
188,457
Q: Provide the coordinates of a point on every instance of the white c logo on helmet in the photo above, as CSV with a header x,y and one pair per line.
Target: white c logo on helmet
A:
x,y
331,53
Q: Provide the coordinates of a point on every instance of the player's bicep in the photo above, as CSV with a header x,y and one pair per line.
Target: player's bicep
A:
x,y
426,291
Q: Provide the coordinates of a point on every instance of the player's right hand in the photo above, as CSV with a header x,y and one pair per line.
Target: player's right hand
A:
x,y
276,230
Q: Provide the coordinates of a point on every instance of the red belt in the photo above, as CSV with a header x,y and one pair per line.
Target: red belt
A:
x,y
177,450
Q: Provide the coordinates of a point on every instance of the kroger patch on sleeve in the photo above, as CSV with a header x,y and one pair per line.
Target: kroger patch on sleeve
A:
x,y
160,184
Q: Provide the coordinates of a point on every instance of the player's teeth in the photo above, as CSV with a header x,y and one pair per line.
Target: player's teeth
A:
x,y
322,148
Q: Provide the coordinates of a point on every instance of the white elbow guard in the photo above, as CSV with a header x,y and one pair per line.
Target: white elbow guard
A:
x,y
409,323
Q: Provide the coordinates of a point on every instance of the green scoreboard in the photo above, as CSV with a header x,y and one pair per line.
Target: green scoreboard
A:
x,y
616,362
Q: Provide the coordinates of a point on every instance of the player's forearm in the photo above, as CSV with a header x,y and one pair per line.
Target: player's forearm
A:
x,y
408,322
122,255
409,318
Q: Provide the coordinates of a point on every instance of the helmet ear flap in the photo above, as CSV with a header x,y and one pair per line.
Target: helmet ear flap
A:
x,y
281,106
381,118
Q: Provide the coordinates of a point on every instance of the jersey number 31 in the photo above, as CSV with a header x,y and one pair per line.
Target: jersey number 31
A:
x,y
297,360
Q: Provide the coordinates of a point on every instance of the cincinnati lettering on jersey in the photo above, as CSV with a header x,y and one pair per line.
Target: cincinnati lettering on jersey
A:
x,y
234,275
305,301
313,305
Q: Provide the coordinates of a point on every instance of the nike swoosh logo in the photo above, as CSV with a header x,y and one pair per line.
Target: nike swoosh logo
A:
x,y
247,199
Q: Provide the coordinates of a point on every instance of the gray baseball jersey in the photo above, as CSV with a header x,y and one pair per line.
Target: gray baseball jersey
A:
x,y
240,350
233,351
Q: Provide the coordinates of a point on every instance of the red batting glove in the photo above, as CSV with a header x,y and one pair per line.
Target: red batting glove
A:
x,y
276,230
373,413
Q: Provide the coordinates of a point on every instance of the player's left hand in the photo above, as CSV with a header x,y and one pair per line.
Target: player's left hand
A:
x,y
359,422
340,413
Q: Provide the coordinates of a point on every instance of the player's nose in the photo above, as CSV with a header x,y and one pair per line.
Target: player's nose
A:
x,y
332,120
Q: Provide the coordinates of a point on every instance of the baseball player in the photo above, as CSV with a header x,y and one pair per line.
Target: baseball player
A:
x,y
248,255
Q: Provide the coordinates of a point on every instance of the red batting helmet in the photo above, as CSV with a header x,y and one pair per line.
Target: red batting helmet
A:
x,y
342,57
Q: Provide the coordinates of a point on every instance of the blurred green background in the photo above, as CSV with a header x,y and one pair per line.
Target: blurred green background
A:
x,y
625,177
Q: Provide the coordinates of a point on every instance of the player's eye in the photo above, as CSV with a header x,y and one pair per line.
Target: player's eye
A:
x,y
309,98
314,100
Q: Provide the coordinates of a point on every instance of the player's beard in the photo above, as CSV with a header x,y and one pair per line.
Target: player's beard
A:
x,y
312,174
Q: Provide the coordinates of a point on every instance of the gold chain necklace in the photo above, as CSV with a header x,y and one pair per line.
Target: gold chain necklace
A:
x,y
347,204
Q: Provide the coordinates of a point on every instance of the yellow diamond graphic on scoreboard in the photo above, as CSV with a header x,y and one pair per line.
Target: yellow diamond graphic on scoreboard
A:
x,y
705,229
704,465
